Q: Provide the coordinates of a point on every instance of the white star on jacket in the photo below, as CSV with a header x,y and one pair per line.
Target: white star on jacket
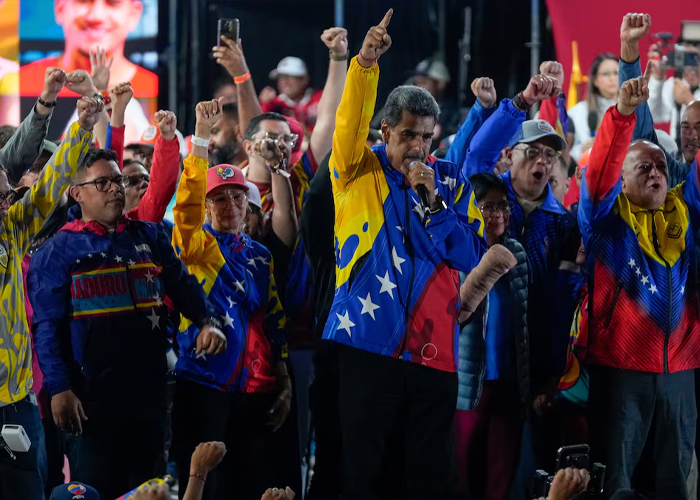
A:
x,y
367,306
345,323
419,210
228,320
231,302
150,277
653,289
450,182
155,320
251,262
117,258
397,260
632,263
103,254
403,235
131,263
159,300
387,285
239,285
262,260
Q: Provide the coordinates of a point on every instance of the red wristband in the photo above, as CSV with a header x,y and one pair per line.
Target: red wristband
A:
x,y
368,60
242,78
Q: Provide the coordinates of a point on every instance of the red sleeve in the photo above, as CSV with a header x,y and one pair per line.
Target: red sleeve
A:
x,y
273,106
118,144
164,171
608,153
548,111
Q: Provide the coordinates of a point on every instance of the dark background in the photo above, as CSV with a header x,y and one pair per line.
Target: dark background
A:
x,y
273,29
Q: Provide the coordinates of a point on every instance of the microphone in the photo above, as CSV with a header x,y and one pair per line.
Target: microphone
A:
x,y
592,122
422,191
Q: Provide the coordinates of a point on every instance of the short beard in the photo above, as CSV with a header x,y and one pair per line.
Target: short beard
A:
x,y
225,153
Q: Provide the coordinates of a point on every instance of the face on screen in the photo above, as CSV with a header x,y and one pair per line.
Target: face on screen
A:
x,y
88,23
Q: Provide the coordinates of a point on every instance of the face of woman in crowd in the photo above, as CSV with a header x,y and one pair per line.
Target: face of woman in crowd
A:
x,y
227,207
606,79
496,213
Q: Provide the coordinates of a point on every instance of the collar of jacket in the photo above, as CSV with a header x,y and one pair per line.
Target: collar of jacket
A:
x,y
237,241
76,225
395,175
550,203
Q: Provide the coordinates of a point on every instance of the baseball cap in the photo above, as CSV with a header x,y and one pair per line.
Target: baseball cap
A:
x,y
225,175
534,130
253,195
151,134
290,66
74,491
433,68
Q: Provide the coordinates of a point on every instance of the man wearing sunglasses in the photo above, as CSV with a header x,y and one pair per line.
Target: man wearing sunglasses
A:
x,y
101,328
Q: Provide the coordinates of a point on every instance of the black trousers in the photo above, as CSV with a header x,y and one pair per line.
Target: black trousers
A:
x,y
257,458
643,422
397,418
116,453
325,420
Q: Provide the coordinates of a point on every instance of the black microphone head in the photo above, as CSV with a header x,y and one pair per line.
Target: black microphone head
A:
x,y
592,122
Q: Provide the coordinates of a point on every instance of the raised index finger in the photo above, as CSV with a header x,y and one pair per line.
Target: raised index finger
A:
x,y
387,19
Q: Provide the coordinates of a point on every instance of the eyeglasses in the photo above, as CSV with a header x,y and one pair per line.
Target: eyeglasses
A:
x,y
8,197
608,74
104,183
490,209
288,139
237,196
532,153
135,180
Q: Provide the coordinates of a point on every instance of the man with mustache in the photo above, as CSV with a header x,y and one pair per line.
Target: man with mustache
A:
x,y
634,28
642,315
394,316
100,328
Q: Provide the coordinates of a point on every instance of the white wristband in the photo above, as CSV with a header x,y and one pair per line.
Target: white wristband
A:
x,y
198,141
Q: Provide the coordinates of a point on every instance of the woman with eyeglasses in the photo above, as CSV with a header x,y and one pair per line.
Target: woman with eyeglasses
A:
x,y
494,369
242,396
602,92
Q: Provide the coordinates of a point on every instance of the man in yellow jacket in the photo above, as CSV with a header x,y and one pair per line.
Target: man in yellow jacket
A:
x,y
23,477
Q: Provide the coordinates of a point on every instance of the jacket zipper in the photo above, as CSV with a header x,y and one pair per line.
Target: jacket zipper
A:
x,y
413,274
616,295
670,290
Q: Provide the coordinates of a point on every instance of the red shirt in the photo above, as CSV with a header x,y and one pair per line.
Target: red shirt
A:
x,y
305,111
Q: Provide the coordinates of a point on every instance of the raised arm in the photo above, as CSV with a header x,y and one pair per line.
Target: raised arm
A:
x,y
164,171
230,55
100,72
601,180
498,130
357,104
27,217
120,95
27,143
485,92
189,210
336,39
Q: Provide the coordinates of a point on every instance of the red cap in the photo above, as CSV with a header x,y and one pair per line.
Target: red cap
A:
x,y
296,128
225,175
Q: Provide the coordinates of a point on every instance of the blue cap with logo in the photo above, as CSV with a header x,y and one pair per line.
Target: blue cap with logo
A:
x,y
74,491
534,130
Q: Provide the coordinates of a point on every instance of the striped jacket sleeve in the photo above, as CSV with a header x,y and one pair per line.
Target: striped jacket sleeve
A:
x,y
26,218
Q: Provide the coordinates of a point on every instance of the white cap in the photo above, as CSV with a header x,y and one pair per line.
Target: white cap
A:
x,y
290,66
253,195
433,68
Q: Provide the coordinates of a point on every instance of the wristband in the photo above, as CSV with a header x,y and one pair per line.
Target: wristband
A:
x,y
520,104
106,97
333,57
368,60
242,78
51,104
198,141
279,169
200,477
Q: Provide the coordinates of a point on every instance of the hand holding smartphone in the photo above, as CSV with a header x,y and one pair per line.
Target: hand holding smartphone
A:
x,y
229,28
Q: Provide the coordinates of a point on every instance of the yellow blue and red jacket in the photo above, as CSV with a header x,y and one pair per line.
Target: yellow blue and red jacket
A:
x,y
397,281
643,305
237,276
22,223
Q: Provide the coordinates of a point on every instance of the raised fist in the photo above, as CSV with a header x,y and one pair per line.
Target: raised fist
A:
x,y
634,27
484,90
167,124
207,113
377,41
80,81
53,83
541,87
498,260
634,93
207,456
336,39
89,111
553,69
121,94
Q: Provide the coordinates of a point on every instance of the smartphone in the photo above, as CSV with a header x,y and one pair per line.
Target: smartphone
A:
x,y
228,28
573,456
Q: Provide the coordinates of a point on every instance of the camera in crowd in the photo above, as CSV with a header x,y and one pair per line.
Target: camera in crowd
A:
x,y
677,56
576,457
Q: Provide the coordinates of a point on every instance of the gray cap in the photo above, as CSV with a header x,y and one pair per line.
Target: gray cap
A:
x,y
534,130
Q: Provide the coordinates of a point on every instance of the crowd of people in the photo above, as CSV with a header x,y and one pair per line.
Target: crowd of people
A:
x,y
531,284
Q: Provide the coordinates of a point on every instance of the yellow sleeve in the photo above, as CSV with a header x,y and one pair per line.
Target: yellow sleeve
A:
x,y
189,211
29,215
352,123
